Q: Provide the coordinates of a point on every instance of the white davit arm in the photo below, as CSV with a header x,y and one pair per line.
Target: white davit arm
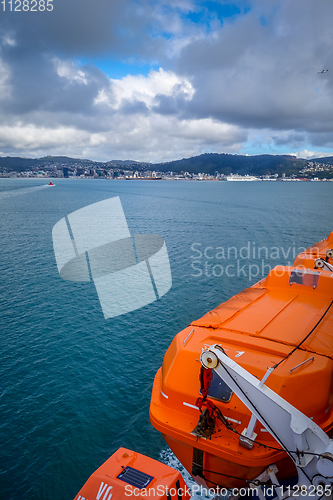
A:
x,y
306,443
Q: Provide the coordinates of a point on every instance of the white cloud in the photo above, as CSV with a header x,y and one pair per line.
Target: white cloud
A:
x,y
307,155
146,88
97,140
4,80
8,39
67,69
152,138
31,137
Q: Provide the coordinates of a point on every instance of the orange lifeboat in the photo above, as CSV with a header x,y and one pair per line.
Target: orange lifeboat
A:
x,y
127,474
283,322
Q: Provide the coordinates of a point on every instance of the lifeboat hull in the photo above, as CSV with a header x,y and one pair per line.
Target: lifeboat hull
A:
x,y
231,474
210,465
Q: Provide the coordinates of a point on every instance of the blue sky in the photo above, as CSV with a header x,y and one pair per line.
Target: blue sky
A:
x,y
160,80
114,68
204,15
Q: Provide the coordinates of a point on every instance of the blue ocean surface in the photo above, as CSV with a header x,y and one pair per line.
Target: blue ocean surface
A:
x,y
74,387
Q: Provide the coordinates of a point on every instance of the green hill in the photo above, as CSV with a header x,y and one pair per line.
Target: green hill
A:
x,y
236,164
19,164
328,160
209,163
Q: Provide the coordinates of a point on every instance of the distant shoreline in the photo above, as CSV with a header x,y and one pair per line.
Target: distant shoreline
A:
x,y
55,179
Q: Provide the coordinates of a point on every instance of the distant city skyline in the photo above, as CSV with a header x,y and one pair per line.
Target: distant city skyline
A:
x,y
161,80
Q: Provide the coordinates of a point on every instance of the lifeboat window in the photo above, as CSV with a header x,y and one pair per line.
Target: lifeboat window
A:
x,y
304,277
135,477
218,389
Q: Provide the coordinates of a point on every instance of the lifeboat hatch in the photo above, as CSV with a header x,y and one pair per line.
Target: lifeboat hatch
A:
x,y
218,389
304,277
135,477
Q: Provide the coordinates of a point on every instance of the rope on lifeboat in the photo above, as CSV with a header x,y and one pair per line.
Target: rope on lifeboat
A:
x,y
215,413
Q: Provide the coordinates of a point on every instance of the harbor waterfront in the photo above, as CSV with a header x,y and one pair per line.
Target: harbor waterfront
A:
x,y
75,386
205,167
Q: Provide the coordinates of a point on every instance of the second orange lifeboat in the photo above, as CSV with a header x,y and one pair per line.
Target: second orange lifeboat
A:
x,y
128,474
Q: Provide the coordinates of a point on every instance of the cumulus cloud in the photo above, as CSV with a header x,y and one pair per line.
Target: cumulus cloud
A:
x,y
231,78
145,89
307,155
262,70
4,81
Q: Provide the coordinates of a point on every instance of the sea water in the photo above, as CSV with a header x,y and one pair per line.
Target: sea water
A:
x,y
74,387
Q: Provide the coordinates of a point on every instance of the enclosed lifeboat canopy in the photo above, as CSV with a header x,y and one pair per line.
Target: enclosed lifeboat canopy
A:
x,y
284,322
127,474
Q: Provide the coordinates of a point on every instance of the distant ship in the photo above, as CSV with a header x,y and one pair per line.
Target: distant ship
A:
x,y
143,178
236,177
